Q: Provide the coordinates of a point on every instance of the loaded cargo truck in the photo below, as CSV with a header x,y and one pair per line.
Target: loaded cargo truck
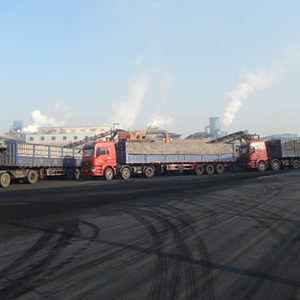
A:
x,y
273,154
126,158
29,162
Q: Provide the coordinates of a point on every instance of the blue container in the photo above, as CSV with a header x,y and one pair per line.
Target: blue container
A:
x,y
283,148
20,154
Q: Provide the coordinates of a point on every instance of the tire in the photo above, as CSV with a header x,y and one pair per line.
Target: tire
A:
x,y
199,170
295,164
275,165
125,173
262,166
77,174
158,171
209,169
220,169
108,174
32,177
69,174
149,172
5,179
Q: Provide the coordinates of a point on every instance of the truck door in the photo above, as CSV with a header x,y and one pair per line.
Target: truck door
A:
x,y
257,153
104,156
110,155
101,156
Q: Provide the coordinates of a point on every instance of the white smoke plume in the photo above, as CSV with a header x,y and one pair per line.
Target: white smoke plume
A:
x,y
160,120
254,81
62,112
125,112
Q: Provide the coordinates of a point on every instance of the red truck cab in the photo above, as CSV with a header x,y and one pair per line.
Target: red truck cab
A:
x,y
253,155
99,159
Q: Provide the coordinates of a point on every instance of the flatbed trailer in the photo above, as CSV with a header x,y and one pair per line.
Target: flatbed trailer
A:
x,y
28,162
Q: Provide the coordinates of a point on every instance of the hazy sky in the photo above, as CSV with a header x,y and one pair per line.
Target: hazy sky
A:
x,y
135,62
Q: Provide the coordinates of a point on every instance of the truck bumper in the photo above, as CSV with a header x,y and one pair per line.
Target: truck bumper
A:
x,y
92,172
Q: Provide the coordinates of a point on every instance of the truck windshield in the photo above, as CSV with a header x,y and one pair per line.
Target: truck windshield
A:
x,y
244,150
88,152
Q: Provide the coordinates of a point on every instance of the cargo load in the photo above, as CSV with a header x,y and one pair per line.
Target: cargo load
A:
x,y
132,152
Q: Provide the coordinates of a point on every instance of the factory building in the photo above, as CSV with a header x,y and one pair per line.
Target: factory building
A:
x,y
212,131
60,136
281,136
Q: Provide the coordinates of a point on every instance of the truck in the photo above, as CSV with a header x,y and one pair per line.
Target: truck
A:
x,y
135,153
273,154
21,161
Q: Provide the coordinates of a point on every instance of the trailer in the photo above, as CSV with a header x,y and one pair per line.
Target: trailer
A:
x,y
130,157
273,154
21,161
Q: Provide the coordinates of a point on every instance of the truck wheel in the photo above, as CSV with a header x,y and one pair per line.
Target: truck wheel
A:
x,y
149,172
275,165
209,169
32,177
220,169
77,174
199,170
108,174
69,174
5,179
158,171
125,173
261,166
295,164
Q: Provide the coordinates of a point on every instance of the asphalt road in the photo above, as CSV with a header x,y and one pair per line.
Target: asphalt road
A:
x,y
230,236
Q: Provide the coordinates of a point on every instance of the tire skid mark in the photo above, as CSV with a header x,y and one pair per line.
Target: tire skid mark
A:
x,y
87,267
249,207
17,284
69,273
184,262
158,285
162,293
262,212
38,246
217,199
184,256
69,260
272,260
285,244
27,281
182,251
212,217
207,282
260,217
